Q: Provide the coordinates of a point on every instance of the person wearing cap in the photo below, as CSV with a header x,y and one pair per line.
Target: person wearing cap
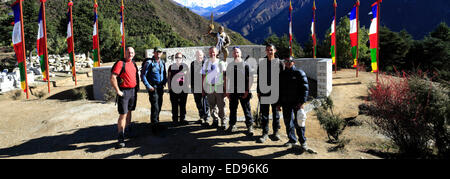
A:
x,y
178,98
294,91
196,87
214,86
239,91
154,77
269,68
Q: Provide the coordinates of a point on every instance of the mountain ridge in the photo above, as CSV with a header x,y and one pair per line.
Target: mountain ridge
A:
x,y
258,19
218,10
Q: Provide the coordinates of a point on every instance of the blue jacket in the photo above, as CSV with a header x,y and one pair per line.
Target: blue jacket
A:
x,y
294,86
153,74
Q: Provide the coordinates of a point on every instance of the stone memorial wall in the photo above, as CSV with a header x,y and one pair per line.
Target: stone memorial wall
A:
x,y
316,69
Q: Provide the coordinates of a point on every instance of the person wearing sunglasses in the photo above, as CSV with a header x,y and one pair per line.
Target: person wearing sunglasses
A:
x,y
178,98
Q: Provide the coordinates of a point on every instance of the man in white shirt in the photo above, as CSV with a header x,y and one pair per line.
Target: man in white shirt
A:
x,y
214,73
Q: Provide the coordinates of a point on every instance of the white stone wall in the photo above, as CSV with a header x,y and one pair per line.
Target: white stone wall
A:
x,y
101,77
11,81
319,69
254,51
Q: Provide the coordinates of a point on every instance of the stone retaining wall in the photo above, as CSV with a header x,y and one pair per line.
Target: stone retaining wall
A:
x,y
316,69
101,78
254,51
319,69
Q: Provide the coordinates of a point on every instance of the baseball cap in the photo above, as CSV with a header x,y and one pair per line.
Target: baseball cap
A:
x,y
157,49
289,59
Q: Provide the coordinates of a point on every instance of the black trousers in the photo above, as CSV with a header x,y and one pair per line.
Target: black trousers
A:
x,y
265,118
245,104
292,125
178,101
156,100
202,105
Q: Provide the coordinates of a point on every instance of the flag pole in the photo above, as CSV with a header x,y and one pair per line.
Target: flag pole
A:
x,y
378,36
98,35
290,28
123,28
335,37
45,41
73,45
357,37
23,46
314,28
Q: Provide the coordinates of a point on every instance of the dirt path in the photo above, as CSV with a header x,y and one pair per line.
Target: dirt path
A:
x,y
55,128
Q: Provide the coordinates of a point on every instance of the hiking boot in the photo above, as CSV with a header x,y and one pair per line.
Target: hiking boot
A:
x,y
206,125
289,144
232,129
215,124
263,138
200,121
223,127
120,145
184,122
304,147
250,131
121,141
276,136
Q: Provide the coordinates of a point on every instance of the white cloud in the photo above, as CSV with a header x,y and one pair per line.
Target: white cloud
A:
x,y
202,3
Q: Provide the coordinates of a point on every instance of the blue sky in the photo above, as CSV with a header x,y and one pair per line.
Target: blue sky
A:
x,y
202,3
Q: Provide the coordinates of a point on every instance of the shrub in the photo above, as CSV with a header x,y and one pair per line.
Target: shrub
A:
x,y
436,110
340,145
17,95
80,94
411,111
110,95
40,94
333,124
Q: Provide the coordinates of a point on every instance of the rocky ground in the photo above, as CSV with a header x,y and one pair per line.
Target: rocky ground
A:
x,y
58,126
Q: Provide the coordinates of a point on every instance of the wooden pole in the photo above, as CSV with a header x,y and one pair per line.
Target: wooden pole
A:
x,y
314,29
290,29
357,37
335,37
46,51
378,37
122,8
98,35
73,46
24,51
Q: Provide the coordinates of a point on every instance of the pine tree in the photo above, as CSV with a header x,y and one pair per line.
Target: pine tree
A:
x,y
394,47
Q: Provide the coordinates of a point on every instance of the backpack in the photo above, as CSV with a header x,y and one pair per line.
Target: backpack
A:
x,y
151,65
123,70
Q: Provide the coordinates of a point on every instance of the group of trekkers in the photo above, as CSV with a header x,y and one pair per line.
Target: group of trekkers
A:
x,y
280,85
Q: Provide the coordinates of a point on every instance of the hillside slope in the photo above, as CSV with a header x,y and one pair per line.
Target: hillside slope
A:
x,y
147,23
190,25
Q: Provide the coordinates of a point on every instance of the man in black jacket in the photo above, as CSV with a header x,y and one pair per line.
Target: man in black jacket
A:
x,y
294,90
268,92
196,87
239,83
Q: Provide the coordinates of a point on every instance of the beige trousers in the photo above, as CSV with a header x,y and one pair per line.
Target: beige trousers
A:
x,y
217,107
